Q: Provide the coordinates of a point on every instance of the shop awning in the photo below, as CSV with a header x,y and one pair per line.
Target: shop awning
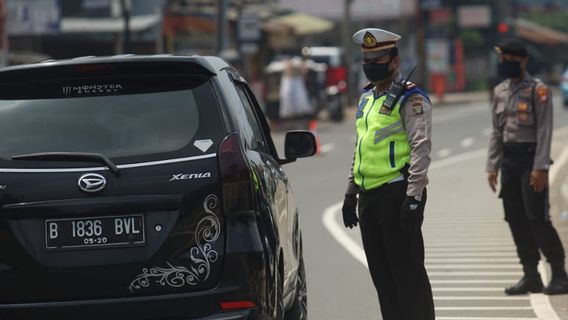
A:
x,y
539,34
108,25
297,23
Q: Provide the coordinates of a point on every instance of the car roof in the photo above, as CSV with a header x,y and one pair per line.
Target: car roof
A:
x,y
210,63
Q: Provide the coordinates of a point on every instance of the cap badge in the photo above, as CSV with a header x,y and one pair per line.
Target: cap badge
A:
x,y
369,40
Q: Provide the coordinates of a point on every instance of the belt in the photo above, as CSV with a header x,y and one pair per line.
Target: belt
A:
x,y
396,179
519,148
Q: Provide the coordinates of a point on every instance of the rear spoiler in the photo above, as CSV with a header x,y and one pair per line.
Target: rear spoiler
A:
x,y
107,67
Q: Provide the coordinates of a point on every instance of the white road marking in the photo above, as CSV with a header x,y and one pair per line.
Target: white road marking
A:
x,y
446,289
446,266
497,253
463,243
466,281
543,271
541,306
481,309
540,303
489,298
326,148
558,164
458,158
444,152
456,115
483,318
491,251
562,131
451,273
338,232
467,142
471,260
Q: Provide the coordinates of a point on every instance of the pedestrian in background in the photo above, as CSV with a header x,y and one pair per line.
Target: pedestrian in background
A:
x,y
520,148
294,101
389,176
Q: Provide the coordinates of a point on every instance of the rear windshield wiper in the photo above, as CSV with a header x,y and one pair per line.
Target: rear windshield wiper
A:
x,y
69,156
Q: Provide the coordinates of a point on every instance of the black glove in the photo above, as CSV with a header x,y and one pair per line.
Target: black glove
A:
x,y
412,214
349,211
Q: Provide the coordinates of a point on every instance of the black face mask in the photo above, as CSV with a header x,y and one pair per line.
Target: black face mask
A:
x,y
377,71
510,69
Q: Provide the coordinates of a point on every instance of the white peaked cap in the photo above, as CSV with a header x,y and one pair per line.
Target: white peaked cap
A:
x,y
375,42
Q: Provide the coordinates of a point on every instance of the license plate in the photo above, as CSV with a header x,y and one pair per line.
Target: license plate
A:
x,y
94,232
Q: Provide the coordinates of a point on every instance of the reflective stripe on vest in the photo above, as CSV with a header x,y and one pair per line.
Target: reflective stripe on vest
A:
x,y
382,146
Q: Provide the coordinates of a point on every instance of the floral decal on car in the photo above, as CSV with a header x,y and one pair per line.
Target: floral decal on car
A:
x,y
201,256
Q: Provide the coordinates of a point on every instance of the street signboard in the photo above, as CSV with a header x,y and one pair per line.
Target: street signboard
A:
x,y
440,16
437,55
360,9
33,17
249,27
474,16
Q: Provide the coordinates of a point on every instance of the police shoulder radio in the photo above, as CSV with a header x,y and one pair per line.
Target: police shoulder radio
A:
x,y
396,91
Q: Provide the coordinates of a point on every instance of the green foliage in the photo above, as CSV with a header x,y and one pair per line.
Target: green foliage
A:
x,y
472,39
557,20
476,85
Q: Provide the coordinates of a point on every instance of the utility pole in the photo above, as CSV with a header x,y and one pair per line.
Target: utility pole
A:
x,y
347,46
504,10
421,45
221,26
125,9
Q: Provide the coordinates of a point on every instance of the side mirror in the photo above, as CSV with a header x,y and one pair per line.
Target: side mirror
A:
x,y
299,144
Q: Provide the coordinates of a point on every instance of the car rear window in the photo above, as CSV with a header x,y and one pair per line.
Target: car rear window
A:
x,y
118,117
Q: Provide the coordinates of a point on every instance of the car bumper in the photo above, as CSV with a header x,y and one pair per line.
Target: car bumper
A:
x,y
244,278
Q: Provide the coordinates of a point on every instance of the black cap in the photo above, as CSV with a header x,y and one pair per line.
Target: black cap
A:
x,y
512,46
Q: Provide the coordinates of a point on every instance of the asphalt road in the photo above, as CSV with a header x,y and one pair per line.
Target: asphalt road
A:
x,y
469,252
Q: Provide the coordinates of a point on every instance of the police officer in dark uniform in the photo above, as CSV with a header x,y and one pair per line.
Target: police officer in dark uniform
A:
x,y
520,148
389,176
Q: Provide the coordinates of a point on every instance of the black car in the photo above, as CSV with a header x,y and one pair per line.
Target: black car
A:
x,y
144,187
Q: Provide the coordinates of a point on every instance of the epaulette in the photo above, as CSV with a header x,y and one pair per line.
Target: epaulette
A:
x,y
538,81
540,91
503,85
413,89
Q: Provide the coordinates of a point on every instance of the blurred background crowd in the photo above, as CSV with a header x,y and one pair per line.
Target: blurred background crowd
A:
x,y
273,41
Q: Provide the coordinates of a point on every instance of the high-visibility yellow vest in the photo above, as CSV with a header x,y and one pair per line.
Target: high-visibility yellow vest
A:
x,y
382,146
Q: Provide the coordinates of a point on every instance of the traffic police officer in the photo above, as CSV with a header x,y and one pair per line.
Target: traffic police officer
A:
x,y
389,174
520,148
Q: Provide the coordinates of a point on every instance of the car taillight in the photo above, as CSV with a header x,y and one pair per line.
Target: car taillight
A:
x,y
235,176
237,305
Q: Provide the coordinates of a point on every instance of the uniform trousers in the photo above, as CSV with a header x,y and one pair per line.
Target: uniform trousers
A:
x,y
527,211
395,257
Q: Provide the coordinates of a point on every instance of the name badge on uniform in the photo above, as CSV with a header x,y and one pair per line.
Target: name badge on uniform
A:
x,y
522,106
360,108
385,110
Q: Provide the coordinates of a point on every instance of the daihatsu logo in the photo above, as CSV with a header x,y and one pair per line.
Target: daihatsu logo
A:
x,y
92,182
